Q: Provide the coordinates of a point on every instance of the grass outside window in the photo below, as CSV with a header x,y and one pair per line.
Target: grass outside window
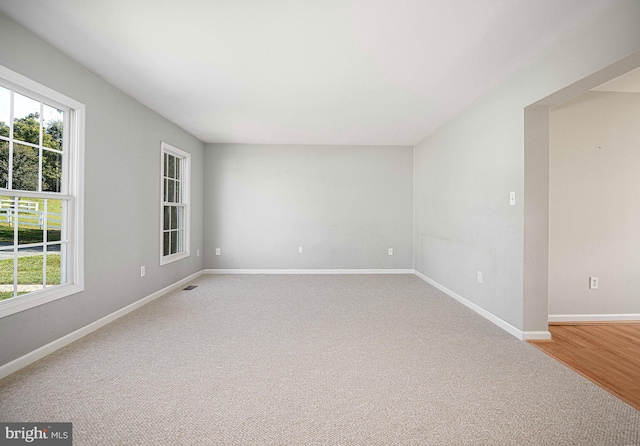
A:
x,y
29,272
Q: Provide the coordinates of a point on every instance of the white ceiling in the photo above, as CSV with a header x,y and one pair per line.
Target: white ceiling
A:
x,y
305,72
627,83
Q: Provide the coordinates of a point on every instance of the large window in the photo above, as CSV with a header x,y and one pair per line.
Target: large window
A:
x,y
174,238
41,139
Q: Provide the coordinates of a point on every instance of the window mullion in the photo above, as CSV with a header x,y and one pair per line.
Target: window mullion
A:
x,y
45,211
14,216
40,143
10,163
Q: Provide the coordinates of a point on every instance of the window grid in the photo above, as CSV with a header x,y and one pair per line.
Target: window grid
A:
x,y
23,219
40,183
43,150
175,205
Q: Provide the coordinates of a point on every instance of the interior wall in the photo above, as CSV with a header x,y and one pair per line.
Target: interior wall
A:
x,y
466,170
122,197
593,206
345,205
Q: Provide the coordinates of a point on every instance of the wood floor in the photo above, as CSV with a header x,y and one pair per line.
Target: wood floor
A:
x,y
607,354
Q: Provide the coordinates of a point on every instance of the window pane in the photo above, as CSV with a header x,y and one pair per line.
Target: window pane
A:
x,y
178,192
5,116
166,164
180,236
53,125
54,273
54,220
167,217
26,119
30,270
170,172
179,210
179,164
4,164
6,274
174,242
166,244
51,171
25,168
30,222
171,191
6,221
174,218
164,189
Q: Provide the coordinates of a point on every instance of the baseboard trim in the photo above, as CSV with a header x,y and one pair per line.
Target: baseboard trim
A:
x,y
31,357
308,271
559,318
522,335
536,336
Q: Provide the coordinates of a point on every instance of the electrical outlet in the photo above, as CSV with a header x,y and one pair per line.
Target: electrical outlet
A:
x,y
217,251
593,283
143,271
299,249
480,277
197,253
390,251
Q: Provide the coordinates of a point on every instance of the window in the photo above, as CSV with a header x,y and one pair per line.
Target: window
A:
x,y
174,237
41,182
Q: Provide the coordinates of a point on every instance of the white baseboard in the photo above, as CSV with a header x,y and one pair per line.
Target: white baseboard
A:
x,y
593,317
308,271
536,335
522,335
43,351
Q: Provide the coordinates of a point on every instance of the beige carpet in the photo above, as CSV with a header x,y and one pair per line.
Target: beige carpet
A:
x,y
313,360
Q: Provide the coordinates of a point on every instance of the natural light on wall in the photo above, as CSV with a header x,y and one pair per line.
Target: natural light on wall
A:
x,y
41,147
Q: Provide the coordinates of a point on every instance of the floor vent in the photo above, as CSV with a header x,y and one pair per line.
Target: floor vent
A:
x,y
190,287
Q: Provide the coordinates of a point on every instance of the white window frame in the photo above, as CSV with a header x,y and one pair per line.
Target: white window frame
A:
x,y
186,202
72,192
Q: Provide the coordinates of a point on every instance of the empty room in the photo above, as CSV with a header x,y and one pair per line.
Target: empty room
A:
x,y
310,223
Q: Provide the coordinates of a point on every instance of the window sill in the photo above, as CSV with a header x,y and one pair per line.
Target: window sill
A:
x,y
173,258
20,303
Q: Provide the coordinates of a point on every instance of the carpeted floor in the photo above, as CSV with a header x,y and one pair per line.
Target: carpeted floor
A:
x,y
313,360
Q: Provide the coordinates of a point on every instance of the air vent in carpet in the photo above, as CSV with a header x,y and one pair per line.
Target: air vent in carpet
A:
x,y
190,287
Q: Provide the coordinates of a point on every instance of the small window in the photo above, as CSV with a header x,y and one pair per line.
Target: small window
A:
x,y
174,237
41,182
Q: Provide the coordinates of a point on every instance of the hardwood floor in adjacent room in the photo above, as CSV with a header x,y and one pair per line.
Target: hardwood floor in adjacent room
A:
x,y
607,354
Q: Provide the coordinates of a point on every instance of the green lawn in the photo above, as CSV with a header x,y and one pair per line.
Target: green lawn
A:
x,y
26,235
29,271
30,234
30,267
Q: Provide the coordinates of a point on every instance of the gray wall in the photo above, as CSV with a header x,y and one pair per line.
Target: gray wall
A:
x,y
594,204
344,205
465,171
121,197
